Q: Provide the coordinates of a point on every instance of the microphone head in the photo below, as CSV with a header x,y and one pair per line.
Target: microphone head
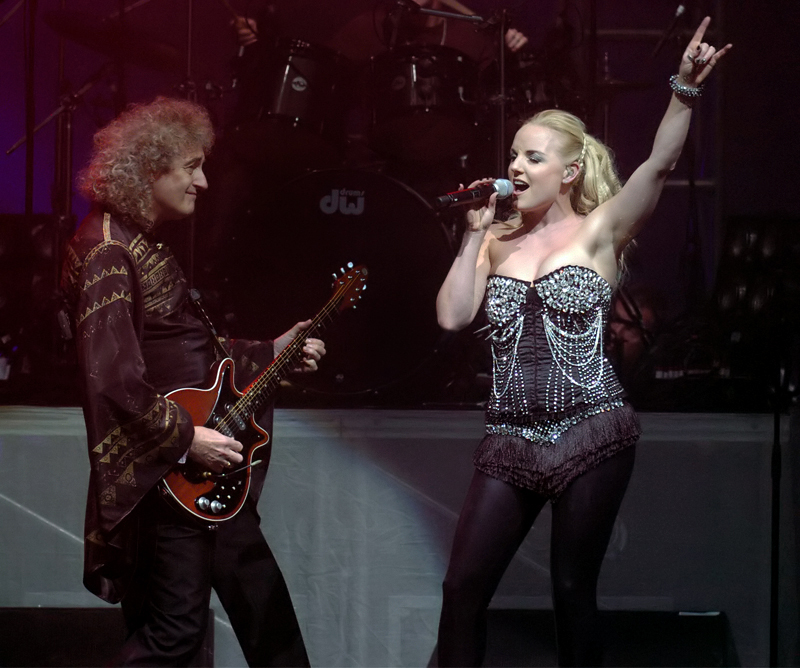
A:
x,y
504,188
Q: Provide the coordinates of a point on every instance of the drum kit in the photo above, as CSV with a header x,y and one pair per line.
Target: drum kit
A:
x,y
414,108
301,116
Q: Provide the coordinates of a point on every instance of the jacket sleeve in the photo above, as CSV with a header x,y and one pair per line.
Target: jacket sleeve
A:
x,y
135,435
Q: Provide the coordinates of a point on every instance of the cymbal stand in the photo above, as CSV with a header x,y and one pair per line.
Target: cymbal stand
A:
x,y
11,13
61,200
500,102
188,88
68,104
120,97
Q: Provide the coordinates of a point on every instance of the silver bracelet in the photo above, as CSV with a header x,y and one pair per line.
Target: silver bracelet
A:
x,y
686,91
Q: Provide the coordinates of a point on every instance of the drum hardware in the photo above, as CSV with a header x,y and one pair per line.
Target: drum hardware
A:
x,y
419,121
423,103
292,110
608,86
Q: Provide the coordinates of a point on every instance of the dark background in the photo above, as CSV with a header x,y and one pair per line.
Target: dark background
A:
x,y
716,265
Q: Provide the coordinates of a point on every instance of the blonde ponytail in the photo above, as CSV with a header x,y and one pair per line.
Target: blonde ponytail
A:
x,y
597,180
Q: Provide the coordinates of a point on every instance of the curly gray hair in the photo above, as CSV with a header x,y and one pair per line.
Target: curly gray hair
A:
x,y
138,147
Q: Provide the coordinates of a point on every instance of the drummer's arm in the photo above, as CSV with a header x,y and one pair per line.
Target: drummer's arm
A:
x,y
515,40
246,30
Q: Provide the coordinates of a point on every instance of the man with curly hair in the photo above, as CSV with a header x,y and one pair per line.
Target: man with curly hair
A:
x,y
138,338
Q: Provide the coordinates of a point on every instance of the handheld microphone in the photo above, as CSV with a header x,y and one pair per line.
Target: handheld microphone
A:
x,y
503,187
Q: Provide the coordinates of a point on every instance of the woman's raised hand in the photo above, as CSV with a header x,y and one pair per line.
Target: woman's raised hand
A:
x,y
700,58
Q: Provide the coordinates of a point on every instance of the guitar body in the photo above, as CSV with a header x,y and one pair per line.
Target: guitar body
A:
x,y
210,496
215,497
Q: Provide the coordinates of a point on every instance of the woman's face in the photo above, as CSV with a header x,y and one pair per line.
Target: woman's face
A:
x,y
537,168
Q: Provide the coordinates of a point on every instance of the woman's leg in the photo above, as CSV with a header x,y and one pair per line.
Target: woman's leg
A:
x,y
583,518
494,521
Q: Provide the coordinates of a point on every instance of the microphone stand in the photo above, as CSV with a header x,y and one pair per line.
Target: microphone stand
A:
x,y
62,180
670,29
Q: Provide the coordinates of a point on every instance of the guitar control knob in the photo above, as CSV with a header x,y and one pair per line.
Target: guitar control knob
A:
x,y
216,507
202,503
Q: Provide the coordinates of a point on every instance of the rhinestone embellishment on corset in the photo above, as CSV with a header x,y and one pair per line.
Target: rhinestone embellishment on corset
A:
x,y
542,398
576,301
504,307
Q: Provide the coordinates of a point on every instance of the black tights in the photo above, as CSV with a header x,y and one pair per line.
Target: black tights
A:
x,y
494,521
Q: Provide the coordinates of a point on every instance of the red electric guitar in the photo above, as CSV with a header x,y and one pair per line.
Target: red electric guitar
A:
x,y
215,497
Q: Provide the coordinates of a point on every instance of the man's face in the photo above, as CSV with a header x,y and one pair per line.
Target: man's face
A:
x,y
175,192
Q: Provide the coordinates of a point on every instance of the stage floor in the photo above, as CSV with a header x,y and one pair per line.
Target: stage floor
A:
x,y
360,507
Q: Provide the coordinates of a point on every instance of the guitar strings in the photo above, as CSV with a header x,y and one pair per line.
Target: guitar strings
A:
x,y
248,403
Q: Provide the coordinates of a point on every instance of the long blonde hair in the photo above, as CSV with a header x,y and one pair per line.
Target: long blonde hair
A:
x,y
597,180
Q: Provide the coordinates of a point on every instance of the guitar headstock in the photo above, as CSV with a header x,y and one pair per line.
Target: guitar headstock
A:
x,y
349,284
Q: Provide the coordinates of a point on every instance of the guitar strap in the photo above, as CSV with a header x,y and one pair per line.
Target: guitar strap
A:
x,y
194,295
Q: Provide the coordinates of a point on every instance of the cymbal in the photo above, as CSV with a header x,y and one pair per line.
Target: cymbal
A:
x,y
115,40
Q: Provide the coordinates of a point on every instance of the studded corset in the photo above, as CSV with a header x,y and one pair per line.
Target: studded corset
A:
x,y
549,368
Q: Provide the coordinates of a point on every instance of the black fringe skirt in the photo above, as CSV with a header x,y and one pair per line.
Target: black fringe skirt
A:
x,y
547,468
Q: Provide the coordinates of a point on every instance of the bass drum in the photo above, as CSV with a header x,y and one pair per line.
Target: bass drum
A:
x,y
320,222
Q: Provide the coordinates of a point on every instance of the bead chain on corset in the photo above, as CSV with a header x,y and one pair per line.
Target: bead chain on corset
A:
x,y
504,308
504,357
573,292
569,349
570,293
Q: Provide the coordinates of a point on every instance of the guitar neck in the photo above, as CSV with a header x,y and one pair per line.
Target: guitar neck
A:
x,y
262,388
